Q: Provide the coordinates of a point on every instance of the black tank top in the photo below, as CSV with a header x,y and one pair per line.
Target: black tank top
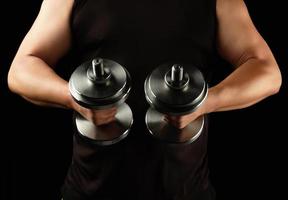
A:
x,y
140,35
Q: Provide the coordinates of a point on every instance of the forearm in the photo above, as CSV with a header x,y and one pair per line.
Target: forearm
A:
x,y
34,80
250,83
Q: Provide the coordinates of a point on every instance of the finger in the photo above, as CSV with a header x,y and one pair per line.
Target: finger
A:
x,y
102,115
177,123
110,112
108,120
109,115
102,118
103,121
174,117
113,109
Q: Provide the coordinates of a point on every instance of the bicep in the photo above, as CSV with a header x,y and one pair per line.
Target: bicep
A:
x,y
49,36
237,36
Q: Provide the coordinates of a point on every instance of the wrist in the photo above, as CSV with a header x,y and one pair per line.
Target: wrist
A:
x,y
211,102
69,101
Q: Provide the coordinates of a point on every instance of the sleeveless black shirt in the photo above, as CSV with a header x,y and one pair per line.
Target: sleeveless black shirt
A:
x,y
140,35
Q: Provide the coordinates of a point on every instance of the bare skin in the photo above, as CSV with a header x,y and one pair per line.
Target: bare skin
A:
x,y
32,76
256,75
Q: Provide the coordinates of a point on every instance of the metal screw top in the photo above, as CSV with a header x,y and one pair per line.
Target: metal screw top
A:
x,y
177,73
100,83
175,89
98,68
97,72
176,78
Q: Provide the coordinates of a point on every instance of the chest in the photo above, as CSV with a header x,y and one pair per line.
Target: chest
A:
x,y
152,20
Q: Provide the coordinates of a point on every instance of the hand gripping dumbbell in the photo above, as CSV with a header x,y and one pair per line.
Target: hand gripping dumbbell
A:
x,y
102,84
174,90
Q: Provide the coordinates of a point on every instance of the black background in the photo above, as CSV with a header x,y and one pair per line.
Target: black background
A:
x,y
246,147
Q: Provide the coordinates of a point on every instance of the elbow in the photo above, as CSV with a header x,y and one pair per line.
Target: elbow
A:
x,y
275,81
12,79
15,77
272,75
276,84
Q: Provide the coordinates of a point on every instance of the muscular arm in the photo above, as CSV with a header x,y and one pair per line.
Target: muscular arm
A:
x,y
256,75
31,74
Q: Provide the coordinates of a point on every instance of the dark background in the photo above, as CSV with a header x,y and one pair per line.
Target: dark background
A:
x,y
246,147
